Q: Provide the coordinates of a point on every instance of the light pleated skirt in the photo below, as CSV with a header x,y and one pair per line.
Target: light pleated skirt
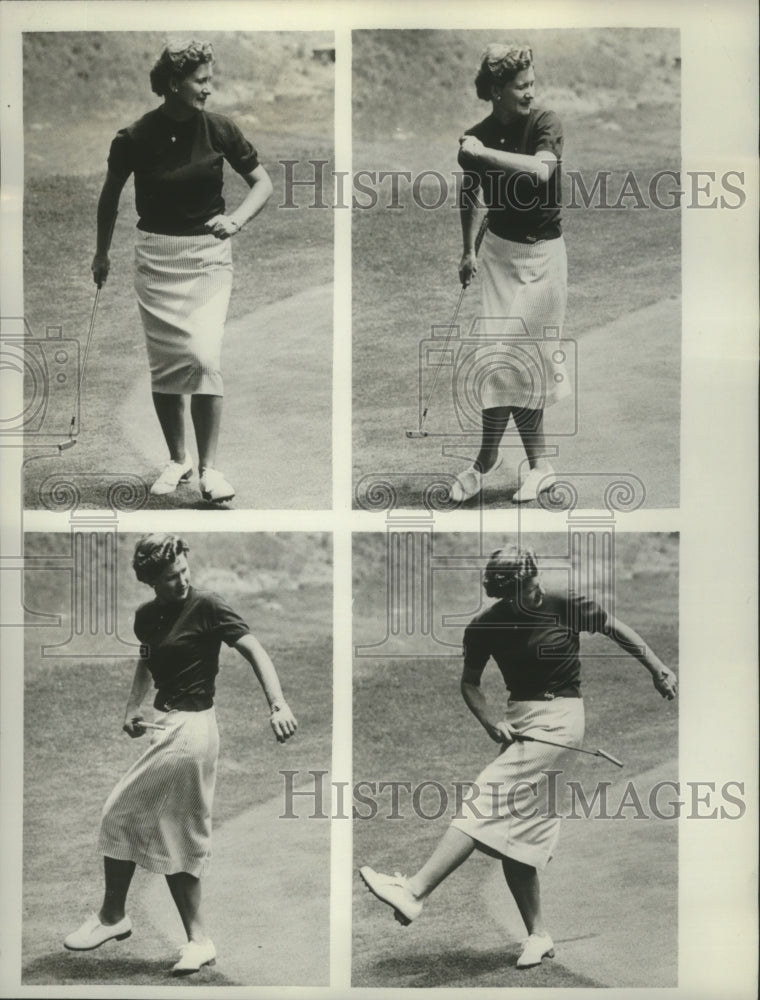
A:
x,y
524,295
159,813
515,812
183,286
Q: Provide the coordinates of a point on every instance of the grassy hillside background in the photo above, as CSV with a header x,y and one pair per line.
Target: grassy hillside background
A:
x,y
414,84
79,87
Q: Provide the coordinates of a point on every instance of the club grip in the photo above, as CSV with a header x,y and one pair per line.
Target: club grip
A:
x,y
481,234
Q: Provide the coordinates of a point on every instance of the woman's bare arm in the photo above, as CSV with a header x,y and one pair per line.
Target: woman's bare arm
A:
x,y
108,209
281,718
471,212
540,166
141,683
260,185
631,642
476,701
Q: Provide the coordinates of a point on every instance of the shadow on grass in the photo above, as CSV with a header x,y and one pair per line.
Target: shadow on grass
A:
x,y
85,970
408,497
466,967
99,495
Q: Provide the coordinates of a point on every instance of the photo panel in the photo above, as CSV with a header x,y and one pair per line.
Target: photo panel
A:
x,y
495,359
474,656
199,798
218,282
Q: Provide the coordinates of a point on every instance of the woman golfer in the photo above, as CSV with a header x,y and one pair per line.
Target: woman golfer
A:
x,y
533,635
159,815
183,256
511,163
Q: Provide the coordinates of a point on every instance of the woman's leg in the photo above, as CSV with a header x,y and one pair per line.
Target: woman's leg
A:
x,y
406,896
118,877
524,885
495,420
530,424
206,412
186,893
170,410
453,849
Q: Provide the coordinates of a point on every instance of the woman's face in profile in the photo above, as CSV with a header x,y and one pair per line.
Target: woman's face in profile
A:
x,y
193,90
173,583
532,593
516,96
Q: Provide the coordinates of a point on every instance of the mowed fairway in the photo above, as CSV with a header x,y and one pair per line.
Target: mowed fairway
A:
x,y
275,443
277,425
74,751
623,312
610,894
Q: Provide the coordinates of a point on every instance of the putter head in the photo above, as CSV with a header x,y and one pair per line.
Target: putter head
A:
x,y
66,444
416,434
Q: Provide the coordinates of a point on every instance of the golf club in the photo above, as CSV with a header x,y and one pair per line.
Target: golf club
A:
x,y
421,432
148,725
520,737
71,440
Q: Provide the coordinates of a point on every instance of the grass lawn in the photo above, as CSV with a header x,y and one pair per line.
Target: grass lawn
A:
x,y
411,724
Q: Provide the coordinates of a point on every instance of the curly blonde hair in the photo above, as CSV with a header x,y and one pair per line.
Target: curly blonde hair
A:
x,y
499,64
154,552
507,568
177,61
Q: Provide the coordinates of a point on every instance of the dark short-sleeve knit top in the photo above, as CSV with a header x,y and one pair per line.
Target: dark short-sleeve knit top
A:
x,y
519,208
181,644
537,651
178,168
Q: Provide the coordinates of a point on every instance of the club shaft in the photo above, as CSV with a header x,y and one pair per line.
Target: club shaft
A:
x,y
565,746
436,374
84,359
89,338
447,341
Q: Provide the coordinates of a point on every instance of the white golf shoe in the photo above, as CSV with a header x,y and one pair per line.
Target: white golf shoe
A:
x,y
534,949
174,473
394,891
537,481
470,482
194,955
214,487
92,934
